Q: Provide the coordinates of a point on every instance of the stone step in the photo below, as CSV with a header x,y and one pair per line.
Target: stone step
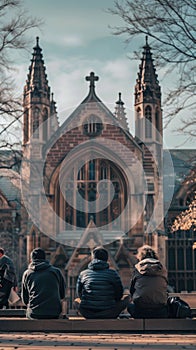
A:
x,y
97,325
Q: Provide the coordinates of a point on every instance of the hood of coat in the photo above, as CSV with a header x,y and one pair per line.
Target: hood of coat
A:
x,y
97,264
150,267
36,265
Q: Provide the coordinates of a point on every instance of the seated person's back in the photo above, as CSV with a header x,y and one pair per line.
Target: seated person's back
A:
x,y
43,287
100,288
148,286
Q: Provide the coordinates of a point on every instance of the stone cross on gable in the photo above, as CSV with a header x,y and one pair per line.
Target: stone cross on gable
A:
x,y
92,78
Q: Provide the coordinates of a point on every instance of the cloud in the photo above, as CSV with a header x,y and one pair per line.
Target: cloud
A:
x,y
65,40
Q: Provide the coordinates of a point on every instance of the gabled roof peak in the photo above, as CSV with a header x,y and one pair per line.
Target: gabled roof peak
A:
x,y
92,97
92,78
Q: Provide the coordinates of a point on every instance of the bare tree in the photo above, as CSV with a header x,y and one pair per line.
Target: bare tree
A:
x,y
171,25
15,23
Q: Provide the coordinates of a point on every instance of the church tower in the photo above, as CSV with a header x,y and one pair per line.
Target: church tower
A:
x,y
148,112
39,123
148,132
40,117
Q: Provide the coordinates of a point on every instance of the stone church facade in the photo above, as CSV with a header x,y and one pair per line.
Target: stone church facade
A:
x,y
89,182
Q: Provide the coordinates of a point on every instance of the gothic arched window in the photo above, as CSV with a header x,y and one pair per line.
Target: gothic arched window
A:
x,y
92,126
26,125
157,125
138,130
97,190
45,124
148,124
36,113
138,113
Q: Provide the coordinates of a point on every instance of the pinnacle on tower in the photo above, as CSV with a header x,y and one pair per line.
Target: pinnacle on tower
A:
x,y
120,113
53,114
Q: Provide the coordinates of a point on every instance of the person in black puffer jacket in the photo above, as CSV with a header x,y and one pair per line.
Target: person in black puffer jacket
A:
x,y
43,287
148,286
100,289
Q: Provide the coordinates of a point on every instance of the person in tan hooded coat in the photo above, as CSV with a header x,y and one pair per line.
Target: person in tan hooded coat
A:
x,y
148,286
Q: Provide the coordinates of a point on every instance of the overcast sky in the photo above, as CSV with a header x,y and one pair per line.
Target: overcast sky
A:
x,y
76,39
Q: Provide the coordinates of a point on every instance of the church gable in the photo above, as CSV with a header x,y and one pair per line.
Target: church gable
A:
x,y
80,257
91,123
90,160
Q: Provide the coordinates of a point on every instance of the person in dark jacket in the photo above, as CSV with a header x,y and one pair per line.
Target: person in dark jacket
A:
x,y
43,287
148,286
7,278
100,288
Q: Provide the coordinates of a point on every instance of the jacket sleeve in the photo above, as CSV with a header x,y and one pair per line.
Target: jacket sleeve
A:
x,y
9,272
62,286
24,291
118,287
132,284
79,287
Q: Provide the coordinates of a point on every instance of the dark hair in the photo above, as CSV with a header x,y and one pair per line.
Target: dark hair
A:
x,y
100,253
2,251
38,254
145,252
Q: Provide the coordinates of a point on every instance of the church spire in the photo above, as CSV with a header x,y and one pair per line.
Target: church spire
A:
x,y
148,111
37,79
147,80
120,113
40,116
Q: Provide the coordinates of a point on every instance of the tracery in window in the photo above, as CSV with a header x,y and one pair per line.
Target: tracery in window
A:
x,y
92,125
103,170
94,189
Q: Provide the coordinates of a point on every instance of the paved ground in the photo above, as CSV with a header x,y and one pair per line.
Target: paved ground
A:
x,y
64,341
